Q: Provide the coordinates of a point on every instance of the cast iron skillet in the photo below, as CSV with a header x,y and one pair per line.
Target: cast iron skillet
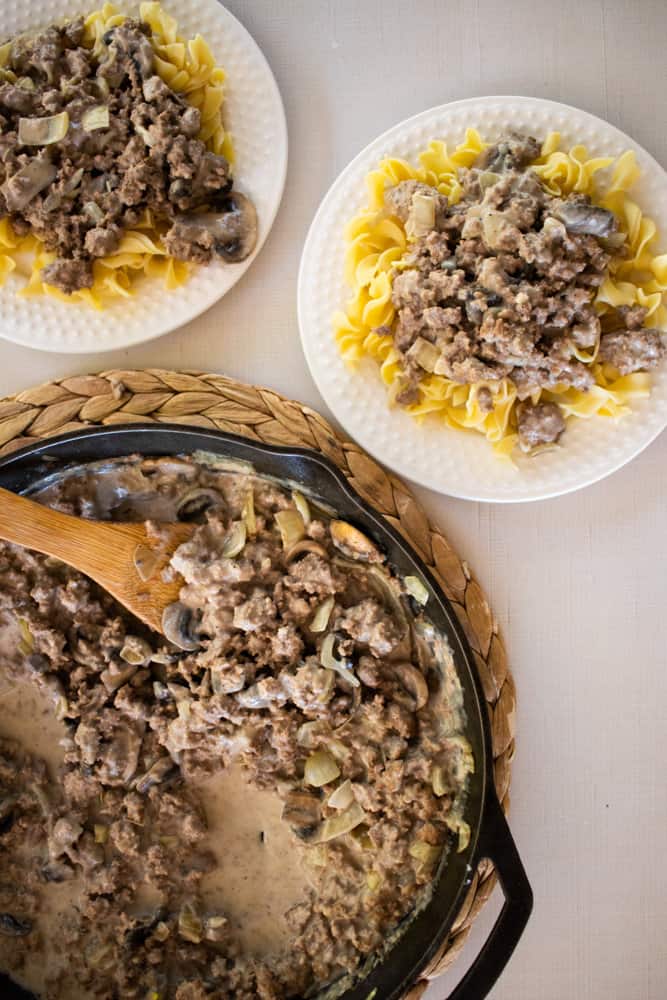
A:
x,y
490,836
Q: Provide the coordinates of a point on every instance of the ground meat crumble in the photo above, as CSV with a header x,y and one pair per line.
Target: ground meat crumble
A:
x,y
502,285
80,193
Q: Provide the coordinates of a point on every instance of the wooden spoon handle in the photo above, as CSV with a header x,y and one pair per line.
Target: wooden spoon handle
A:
x,y
88,545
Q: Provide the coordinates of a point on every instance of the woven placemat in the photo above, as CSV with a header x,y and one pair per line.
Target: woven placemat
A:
x,y
215,401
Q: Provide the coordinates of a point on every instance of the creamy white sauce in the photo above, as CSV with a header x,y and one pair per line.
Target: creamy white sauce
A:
x,y
27,715
27,709
260,873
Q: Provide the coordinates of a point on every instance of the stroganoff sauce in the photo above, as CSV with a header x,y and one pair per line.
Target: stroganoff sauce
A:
x,y
260,873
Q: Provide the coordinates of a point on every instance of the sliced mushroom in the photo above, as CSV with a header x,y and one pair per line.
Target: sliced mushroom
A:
x,y
196,502
320,619
302,812
413,681
190,924
155,774
580,217
177,626
303,547
235,540
353,543
232,230
13,927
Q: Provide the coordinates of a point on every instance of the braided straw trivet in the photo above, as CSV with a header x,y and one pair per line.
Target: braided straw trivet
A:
x,y
214,401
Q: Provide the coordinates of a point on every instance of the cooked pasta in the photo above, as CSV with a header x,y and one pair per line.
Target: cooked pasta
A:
x,y
378,249
189,69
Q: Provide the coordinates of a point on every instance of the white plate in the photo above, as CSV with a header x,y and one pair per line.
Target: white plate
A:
x,y
460,463
253,112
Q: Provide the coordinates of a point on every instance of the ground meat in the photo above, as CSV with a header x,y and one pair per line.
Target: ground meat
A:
x,y
69,275
267,688
504,286
368,624
512,151
632,350
542,423
148,158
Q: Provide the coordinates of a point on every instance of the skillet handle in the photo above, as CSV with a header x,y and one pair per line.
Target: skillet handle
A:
x,y
496,843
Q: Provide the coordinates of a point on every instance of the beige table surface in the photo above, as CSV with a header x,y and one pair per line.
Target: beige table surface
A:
x,y
578,584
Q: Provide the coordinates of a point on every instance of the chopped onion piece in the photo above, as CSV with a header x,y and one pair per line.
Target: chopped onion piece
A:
x,y
235,540
389,591
328,686
301,505
146,561
94,118
464,763
136,651
338,748
292,528
308,733
27,643
328,660
43,131
494,225
342,797
425,854
416,589
94,212
145,134
421,218
425,354
52,201
439,781
373,881
249,512
487,179
26,83
317,856
322,616
337,826
32,178
320,769
464,837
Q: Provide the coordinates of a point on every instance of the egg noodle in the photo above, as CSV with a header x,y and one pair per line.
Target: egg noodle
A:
x,y
188,67
377,245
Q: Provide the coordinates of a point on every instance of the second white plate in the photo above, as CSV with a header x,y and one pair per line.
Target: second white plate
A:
x,y
455,462
254,114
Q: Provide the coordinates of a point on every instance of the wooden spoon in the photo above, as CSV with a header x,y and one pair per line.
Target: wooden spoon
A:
x,y
122,558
